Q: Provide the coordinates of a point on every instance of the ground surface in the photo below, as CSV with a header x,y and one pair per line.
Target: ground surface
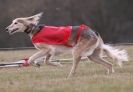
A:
x,y
90,77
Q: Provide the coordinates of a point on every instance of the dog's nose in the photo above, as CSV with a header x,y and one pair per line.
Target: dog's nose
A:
x,y
6,29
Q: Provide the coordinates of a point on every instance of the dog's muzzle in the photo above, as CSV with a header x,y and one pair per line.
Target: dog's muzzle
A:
x,y
6,30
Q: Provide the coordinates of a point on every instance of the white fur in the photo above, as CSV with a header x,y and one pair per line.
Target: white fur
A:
x,y
119,55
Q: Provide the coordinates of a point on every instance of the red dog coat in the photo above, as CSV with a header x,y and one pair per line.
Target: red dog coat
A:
x,y
55,35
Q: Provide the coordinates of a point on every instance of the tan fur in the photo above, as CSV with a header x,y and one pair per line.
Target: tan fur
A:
x,y
88,45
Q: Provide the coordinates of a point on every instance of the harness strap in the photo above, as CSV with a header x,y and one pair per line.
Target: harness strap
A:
x,y
81,28
75,34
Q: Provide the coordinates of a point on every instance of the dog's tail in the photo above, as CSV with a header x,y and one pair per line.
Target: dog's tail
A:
x,y
116,54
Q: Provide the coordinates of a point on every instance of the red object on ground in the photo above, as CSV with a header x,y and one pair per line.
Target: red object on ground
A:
x,y
55,35
25,63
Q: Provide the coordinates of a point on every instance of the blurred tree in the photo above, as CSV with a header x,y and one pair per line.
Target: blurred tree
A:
x,y
113,19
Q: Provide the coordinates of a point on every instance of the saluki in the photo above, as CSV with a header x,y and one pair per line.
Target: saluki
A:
x,y
81,40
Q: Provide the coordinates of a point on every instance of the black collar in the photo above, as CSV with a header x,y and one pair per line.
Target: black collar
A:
x,y
27,30
33,29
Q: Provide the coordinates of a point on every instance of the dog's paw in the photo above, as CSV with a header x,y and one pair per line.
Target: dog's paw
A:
x,y
35,64
59,64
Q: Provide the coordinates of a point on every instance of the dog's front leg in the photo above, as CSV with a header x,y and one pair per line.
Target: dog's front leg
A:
x,y
49,62
37,55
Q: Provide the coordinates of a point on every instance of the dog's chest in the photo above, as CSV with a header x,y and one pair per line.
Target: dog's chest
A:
x,y
57,49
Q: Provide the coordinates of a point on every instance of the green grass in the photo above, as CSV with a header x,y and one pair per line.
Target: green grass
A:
x,y
90,77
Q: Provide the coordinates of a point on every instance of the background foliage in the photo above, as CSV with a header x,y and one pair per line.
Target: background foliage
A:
x,y
113,19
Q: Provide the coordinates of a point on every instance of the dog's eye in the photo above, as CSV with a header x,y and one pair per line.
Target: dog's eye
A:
x,y
15,23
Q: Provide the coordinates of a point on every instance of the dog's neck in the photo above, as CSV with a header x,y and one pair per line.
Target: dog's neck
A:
x,y
33,29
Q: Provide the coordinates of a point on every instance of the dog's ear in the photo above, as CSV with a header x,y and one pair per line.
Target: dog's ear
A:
x,y
35,18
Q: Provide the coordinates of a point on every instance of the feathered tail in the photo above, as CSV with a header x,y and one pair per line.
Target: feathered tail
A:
x,y
116,54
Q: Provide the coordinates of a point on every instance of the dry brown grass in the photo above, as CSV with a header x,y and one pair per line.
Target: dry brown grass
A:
x,y
90,77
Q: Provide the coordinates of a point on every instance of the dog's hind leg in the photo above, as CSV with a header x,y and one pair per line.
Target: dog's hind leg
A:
x,y
76,59
48,62
96,57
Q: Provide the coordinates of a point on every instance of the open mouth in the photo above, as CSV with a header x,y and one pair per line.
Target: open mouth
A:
x,y
14,30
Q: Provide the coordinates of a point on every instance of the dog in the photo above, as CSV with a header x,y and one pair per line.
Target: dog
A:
x,y
80,40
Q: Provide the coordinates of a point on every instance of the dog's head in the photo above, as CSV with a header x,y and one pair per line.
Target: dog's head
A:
x,y
21,24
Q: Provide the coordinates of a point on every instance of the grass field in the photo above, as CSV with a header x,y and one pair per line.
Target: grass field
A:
x,y
90,77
